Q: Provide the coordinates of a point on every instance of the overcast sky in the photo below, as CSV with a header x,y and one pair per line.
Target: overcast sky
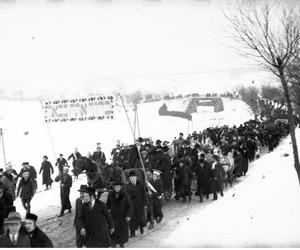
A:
x,y
149,44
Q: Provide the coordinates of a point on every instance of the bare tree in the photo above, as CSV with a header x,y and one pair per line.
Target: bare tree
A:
x,y
269,32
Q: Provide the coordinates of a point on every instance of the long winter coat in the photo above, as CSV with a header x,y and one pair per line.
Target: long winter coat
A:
x,y
154,198
22,241
27,189
184,177
97,223
137,194
164,165
119,207
8,184
219,174
39,239
202,175
47,169
65,179
6,206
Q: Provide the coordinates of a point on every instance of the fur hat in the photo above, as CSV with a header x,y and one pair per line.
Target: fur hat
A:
x,y
46,157
31,217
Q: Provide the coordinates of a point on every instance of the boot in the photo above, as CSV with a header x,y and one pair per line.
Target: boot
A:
x,y
190,198
132,234
183,200
141,230
150,226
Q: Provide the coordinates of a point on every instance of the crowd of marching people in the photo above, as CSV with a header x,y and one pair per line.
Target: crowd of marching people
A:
x,y
136,181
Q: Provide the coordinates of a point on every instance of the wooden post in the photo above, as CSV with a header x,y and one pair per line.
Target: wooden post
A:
x,y
3,148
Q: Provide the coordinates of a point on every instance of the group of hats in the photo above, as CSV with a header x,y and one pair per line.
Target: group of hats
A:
x,y
15,217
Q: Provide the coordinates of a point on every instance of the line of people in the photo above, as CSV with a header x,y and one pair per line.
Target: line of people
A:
x,y
204,162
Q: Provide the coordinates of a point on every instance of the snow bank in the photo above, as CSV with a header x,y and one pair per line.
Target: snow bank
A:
x,y
261,211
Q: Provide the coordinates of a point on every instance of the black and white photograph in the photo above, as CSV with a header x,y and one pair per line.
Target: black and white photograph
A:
x,y
149,123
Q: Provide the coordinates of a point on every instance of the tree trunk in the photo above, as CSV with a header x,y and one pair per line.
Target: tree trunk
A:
x,y
291,122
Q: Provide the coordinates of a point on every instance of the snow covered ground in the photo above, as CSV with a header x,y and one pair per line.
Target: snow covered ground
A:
x,y
261,211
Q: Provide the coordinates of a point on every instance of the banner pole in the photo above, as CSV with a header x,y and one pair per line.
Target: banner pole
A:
x,y
49,133
3,148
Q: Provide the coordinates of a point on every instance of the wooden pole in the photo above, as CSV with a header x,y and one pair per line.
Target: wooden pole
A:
x,y
127,118
49,133
3,148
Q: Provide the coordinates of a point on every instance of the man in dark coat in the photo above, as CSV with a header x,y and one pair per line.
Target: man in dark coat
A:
x,y
65,186
60,163
47,169
120,208
134,156
184,177
14,236
219,174
37,237
78,210
6,206
95,221
164,165
202,175
26,190
137,193
8,180
75,157
32,173
155,190
99,157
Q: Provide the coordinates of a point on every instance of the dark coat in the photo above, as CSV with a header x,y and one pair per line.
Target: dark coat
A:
x,y
8,183
31,170
78,210
22,242
39,239
60,163
219,173
99,156
164,165
119,208
133,157
97,223
72,156
202,175
47,170
6,206
155,198
184,176
27,189
65,179
137,194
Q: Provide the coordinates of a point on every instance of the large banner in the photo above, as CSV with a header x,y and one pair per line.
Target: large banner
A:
x,y
82,109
